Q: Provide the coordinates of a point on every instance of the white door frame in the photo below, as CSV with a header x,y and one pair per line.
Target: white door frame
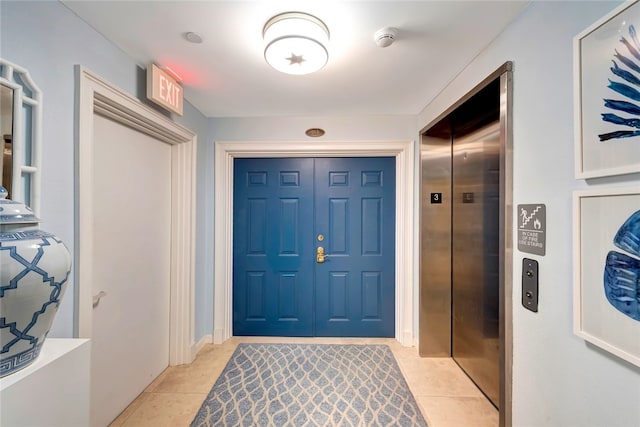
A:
x,y
97,96
225,152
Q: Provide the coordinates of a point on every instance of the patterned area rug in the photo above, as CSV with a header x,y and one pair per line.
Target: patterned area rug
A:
x,y
310,385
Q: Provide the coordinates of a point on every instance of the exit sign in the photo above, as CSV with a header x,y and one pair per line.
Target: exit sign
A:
x,y
163,89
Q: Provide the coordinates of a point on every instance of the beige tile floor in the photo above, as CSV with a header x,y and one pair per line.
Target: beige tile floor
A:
x,y
446,396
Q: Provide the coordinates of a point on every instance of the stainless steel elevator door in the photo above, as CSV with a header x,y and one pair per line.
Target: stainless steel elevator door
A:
x,y
435,243
475,256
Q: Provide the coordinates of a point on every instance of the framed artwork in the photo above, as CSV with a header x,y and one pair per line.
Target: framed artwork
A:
x,y
607,95
606,307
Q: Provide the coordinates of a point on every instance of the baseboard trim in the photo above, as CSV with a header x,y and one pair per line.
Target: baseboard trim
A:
x,y
218,336
206,339
407,339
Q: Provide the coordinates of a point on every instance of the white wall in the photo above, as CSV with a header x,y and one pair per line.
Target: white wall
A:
x,y
373,128
558,380
49,40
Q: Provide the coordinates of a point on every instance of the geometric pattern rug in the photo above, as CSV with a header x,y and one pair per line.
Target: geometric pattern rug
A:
x,y
310,385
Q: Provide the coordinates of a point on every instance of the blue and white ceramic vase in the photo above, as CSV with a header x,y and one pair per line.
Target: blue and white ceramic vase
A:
x,y
34,270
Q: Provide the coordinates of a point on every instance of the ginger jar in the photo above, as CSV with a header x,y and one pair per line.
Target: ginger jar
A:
x,y
34,271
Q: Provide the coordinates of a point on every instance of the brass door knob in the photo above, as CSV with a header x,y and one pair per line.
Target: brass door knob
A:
x,y
320,255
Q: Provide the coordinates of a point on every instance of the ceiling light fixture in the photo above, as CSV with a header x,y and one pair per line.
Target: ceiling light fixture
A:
x,y
296,43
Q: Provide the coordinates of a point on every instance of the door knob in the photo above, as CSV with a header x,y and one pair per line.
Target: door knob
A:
x,y
320,255
97,297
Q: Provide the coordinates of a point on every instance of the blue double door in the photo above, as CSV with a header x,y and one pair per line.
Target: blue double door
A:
x,y
290,211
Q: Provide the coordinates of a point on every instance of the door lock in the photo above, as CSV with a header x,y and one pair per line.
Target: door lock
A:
x,y
320,255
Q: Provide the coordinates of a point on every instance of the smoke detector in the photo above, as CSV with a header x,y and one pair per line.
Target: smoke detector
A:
x,y
385,36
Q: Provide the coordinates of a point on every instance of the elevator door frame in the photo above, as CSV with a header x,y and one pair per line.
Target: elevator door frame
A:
x,y
434,341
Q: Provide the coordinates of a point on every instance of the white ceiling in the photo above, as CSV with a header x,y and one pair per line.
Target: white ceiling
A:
x,y
226,75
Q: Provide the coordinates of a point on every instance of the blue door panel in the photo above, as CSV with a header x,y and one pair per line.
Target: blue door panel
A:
x,y
289,225
371,295
371,221
355,210
338,288
338,237
272,247
288,308
257,227
281,207
255,297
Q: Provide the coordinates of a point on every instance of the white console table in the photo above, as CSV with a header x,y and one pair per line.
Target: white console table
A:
x,y
53,391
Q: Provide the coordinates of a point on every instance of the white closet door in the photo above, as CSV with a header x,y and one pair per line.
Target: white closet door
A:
x,y
131,262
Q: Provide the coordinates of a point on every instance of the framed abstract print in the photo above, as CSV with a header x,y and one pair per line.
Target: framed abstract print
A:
x,y
607,270
607,95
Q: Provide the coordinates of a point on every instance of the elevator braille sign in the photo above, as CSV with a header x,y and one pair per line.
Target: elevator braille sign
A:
x,y
532,228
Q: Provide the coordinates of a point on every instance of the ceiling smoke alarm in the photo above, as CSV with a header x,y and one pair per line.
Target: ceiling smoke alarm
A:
x,y
385,36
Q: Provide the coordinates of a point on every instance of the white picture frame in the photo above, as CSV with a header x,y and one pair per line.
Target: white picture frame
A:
x,y
607,146
598,215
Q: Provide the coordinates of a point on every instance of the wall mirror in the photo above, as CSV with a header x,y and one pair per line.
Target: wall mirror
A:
x,y
20,127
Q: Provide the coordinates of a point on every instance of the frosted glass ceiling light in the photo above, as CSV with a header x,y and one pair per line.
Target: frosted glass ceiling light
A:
x,y
296,43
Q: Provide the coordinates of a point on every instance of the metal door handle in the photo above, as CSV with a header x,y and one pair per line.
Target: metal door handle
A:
x,y
320,255
98,297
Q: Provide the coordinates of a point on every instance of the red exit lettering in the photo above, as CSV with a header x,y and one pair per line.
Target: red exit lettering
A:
x,y
169,91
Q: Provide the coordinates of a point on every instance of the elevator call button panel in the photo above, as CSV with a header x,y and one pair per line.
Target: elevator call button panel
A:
x,y
530,284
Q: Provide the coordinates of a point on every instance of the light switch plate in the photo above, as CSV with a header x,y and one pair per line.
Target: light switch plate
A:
x,y
530,284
